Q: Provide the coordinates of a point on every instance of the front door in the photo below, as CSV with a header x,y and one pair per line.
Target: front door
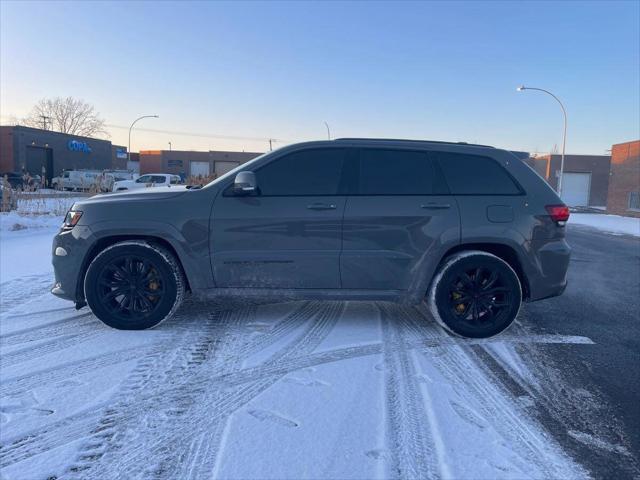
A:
x,y
287,235
400,212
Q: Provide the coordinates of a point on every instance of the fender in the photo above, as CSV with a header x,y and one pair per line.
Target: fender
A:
x,y
190,243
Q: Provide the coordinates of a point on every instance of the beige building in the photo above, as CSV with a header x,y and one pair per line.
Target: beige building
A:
x,y
192,164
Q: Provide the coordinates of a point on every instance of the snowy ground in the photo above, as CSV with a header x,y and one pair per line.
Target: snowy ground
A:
x,y
288,390
614,224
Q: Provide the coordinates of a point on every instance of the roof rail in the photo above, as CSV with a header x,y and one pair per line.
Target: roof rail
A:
x,y
410,140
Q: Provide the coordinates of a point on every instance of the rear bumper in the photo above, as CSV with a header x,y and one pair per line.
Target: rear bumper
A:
x,y
549,278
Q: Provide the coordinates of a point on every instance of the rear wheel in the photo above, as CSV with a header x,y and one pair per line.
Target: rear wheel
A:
x,y
475,294
134,285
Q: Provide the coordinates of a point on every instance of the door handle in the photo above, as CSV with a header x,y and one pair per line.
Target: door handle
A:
x,y
435,206
321,206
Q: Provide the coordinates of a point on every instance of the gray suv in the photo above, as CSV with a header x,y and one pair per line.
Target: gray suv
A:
x,y
470,229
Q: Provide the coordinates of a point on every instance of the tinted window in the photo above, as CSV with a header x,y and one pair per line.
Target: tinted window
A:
x,y
397,172
308,172
475,175
158,179
144,179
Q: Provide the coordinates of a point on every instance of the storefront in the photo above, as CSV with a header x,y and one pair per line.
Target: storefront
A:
x,y
47,153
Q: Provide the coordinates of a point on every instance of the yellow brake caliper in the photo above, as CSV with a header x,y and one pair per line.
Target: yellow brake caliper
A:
x,y
461,306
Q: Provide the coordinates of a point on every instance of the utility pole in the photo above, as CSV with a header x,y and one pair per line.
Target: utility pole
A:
x,y
270,146
44,121
169,146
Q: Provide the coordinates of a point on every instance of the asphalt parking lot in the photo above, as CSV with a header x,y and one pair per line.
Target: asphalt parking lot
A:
x,y
602,302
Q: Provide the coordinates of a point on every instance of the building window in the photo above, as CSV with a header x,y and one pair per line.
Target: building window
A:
x,y
634,201
174,164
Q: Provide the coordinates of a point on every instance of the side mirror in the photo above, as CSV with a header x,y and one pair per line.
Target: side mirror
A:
x,y
245,183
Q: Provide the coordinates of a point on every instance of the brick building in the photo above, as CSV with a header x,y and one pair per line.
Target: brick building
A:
x,y
35,150
624,181
585,180
189,163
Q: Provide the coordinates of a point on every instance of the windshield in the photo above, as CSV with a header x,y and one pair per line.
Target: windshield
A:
x,y
244,166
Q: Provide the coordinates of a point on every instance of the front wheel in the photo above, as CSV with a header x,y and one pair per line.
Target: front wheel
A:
x,y
134,285
475,294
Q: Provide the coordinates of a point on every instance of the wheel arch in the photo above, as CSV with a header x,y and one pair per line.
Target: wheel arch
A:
x,y
105,242
500,250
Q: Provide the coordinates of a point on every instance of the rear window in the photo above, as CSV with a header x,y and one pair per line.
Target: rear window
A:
x,y
397,172
475,175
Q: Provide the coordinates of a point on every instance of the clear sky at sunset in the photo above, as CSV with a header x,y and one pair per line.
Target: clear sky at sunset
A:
x,y
431,70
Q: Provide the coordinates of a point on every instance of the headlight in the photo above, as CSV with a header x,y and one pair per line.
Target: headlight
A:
x,y
72,218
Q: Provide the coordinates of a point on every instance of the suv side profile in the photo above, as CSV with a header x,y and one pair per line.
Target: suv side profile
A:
x,y
469,229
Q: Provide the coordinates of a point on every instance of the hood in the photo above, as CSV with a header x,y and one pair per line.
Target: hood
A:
x,y
142,194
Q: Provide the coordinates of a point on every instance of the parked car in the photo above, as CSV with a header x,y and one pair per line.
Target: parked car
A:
x,y
110,177
77,180
149,180
471,230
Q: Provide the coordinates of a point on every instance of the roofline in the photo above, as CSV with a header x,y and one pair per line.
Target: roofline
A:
x,y
406,140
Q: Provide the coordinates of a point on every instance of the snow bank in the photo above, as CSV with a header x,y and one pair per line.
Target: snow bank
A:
x,y
608,223
15,222
37,211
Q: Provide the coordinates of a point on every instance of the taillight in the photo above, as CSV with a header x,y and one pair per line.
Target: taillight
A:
x,y
558,213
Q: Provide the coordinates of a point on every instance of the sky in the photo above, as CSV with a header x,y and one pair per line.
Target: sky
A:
x,y
229,76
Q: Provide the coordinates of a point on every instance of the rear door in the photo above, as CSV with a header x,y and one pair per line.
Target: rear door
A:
x,y
289,234
397,215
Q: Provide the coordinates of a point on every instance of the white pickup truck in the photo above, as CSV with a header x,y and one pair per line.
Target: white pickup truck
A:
x,y
148,180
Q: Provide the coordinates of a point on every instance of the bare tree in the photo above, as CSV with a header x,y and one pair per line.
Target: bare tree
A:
x,y
67,115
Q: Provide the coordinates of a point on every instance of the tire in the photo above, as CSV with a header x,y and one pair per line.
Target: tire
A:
x,y
134,285
475,294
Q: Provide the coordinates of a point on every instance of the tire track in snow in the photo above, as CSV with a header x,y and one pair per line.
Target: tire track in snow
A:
x,y
177,377
412,448
29,353
21,290
97,423
22,383
69,325
189,353
521,432
205,458
210,406
68,429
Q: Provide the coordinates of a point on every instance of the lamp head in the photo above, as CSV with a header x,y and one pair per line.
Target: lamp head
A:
x,y
521,88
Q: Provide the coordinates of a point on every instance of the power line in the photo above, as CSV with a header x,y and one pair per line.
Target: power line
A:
x,y
202,135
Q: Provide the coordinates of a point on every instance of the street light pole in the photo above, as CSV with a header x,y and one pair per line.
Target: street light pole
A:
x,y
134,122
169,146
328,131
564,133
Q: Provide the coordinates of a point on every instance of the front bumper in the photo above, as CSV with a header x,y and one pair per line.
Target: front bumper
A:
x,y
68,253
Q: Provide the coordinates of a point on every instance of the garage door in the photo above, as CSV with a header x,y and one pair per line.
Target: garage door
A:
x,y
575,189
223,167
199,169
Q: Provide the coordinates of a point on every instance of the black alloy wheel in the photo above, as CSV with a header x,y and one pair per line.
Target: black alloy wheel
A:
x,y
478,296
475,294
133,285
130,287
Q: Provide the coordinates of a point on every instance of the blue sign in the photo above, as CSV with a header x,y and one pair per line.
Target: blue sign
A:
x,y
76,146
